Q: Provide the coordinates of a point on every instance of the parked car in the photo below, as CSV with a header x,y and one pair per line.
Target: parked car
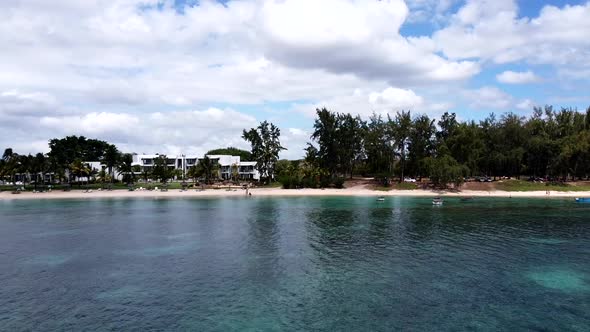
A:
x,y
410,180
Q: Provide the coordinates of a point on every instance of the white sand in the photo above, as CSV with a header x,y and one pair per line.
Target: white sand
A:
x,y
354,191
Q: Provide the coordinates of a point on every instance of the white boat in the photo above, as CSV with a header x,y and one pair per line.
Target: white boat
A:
x,y
380,199
437,201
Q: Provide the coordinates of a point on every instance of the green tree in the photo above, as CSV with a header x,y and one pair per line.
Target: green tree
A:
x,y
379,148
126,168
231,151
10,164
80,169
39,167
421,145
195,172
326,135
66,150
401,128
235,173
444,170
208,168
266,146
161,171
111,158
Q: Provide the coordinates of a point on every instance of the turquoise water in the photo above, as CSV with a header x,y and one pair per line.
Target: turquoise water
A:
x,y
288,264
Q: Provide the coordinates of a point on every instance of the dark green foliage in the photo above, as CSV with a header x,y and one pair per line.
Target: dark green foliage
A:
x,y
340,139
444,170
266,145
325,181
126,168
548,144
66,150
161,171
244,155
206,169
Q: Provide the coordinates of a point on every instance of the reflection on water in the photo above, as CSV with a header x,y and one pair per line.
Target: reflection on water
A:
x,y
268,264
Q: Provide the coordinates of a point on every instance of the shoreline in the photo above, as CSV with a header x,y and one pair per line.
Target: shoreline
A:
x,y
278,192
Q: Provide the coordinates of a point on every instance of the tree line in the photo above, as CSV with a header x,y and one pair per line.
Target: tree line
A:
x,y
69,157
66,159
550,144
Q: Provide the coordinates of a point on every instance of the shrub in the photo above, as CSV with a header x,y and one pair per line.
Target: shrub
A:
x,y
325,182
339,183
286,181
290,182
309,182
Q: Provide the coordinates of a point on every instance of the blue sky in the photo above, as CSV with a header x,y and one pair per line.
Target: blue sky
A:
x,y
185,76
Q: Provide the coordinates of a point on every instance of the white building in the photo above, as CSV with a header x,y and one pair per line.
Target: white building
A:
x,y
246,169
98,166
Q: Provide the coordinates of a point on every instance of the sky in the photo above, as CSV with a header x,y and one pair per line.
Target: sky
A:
x,y
187,76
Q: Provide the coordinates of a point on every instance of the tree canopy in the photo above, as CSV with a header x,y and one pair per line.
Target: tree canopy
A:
x,y
243,154
266,145
66,150
553,144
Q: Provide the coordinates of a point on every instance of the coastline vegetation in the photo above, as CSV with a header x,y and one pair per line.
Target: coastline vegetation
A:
x,y
549,146
542,152
519,185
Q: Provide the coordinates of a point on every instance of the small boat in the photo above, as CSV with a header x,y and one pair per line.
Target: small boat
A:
x,y
380,199
583,199
437,201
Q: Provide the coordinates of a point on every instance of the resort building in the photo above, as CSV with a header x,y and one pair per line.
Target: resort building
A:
x,y
246,169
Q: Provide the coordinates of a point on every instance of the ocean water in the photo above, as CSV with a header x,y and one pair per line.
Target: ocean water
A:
x,y
294,264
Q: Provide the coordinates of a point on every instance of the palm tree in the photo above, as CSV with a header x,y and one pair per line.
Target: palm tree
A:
x,y
111,159
400,128
80,169
2,170
126,168
209,167
39,168
194,173
21,165
235,173
10,160
103,177
146,173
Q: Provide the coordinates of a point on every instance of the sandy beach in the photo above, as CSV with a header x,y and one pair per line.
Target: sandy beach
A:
x,y
278,192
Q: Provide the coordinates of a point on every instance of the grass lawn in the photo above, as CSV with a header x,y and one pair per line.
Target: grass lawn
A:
x,y
518,185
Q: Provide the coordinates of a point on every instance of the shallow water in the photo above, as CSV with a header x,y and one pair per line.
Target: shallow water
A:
x,y
270,264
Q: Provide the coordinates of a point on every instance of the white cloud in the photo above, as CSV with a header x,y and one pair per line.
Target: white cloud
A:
x,y
492,30
489,98
525,105
387,101
512,77
356,37
239,52
400,98
24,103
162,132
429,10
113,69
